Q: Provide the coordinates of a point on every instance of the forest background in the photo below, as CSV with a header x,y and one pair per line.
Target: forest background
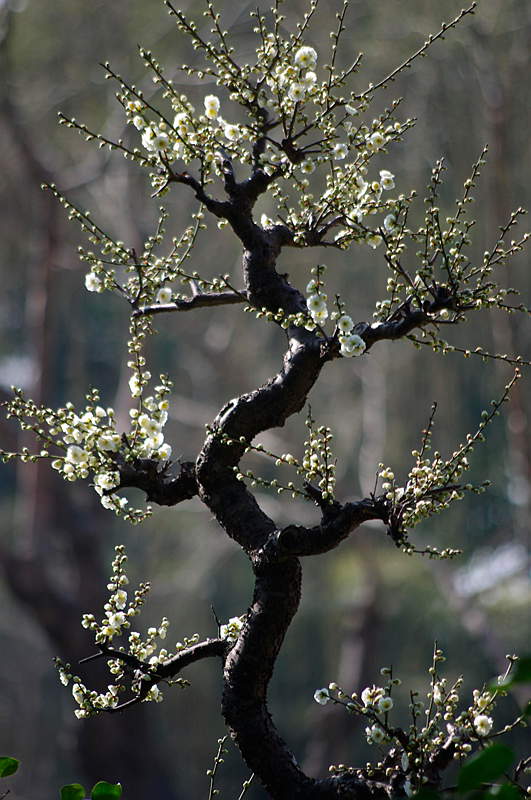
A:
x,y
365,605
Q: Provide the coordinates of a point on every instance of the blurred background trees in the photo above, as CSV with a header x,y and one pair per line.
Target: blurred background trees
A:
x,y
365,605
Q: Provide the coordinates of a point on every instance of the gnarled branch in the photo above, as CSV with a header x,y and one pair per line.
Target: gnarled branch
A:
x,y
159,485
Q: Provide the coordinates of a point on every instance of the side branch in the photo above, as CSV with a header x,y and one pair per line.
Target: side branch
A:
x,y
160,487
405,318
337,525
420,52
200,300
207,649
152,675
217,207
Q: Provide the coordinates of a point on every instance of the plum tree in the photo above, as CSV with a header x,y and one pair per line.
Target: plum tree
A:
x,y
289,126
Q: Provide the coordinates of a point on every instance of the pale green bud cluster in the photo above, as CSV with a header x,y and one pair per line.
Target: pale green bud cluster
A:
x,y
317,467
436,724
432,483
119,611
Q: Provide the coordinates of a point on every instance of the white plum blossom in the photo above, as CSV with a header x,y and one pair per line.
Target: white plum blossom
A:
x,y
134,105
385,704
320,316
371,695
376,140
93,283
297,92
154,139
76,455
155,694
483,724
106,480
390,223
351,345
113,503
78,694
139,122
307,167
322,696
211,106
374,240
340,151
316,304
351,110
64,676
483,700
134,385
164,452
181,122
154,442
232,132
375,735
232,629
438,694
310,79
317,308
109,441
149,425
345,323
305,57
387,179
164,295
266,222
114,623
120,598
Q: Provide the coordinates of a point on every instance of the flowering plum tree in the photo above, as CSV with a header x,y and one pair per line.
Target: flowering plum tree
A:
x,y
292,126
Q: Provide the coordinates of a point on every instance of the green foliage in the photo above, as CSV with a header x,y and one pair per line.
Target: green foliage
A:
x,y
74,791
106,791
487,766
8,766
100,791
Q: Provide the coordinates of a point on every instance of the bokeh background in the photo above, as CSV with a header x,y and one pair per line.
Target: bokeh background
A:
x,y
365,605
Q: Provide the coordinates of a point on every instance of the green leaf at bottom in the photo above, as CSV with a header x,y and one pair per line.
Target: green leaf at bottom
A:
x,y
485,767
74,791
106,791
8,766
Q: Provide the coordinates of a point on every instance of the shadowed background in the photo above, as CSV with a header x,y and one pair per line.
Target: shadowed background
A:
x,y
365,605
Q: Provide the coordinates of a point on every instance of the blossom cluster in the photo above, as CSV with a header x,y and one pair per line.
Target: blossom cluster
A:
x,y
141,278
329,135
351,344
86,443
327,132
318,462
434,483
437,725
119,612
231,629
445,278
317,467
